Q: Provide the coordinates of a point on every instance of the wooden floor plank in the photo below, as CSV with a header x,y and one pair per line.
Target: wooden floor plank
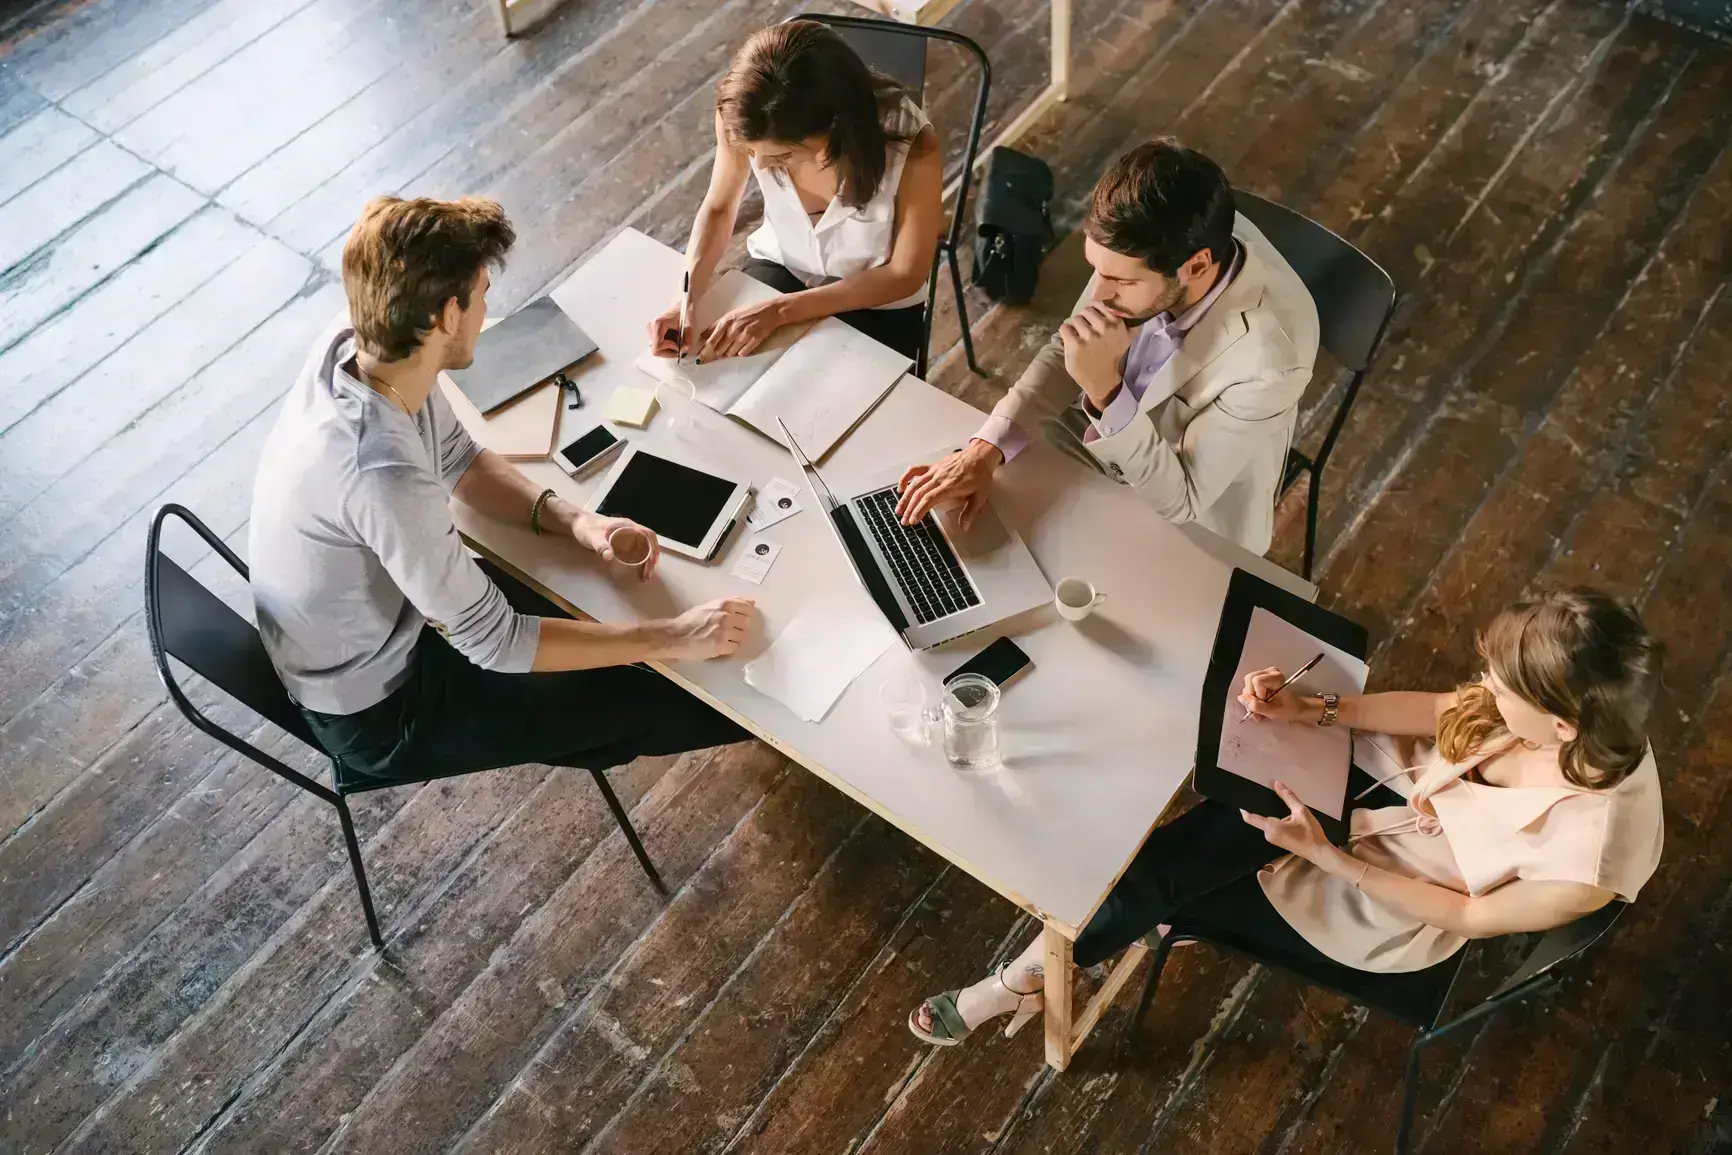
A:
x,y
132,88
1452,226
296,1098
264,95
744,1028
82,420
61,199
58,352
476,108
832,1096
148,1046
1584,441
1520,364
37,147
55,276
91,38
562,954
80,601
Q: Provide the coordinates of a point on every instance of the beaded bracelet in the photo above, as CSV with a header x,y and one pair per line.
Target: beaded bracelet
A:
x,y
535,511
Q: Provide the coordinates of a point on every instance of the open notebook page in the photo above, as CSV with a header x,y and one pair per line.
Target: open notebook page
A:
x,y
822,387
719,384
1312,760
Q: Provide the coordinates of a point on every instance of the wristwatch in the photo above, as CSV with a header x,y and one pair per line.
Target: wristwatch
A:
x,y
1331,709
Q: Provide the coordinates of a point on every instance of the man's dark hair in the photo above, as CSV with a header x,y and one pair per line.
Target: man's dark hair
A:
x,y
1162,202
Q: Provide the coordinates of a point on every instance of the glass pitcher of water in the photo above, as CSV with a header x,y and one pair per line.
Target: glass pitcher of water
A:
x,y
970,722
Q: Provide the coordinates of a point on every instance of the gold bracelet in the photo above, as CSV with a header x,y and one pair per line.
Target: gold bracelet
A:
x,y
535,511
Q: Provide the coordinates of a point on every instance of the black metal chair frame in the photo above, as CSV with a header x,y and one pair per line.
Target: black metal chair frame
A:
x,y
951,241
161,570
1536,974
1345,332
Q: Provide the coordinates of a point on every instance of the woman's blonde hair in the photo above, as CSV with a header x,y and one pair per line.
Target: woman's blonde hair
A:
x,y
1579,655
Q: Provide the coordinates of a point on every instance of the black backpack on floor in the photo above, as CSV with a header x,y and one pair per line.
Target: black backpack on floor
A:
x,y
1012,225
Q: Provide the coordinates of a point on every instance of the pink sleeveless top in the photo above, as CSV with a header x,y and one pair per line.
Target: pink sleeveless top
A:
x,y
1470,837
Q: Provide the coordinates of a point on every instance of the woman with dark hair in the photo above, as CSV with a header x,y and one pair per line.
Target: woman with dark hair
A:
x,y
1530,799
852,182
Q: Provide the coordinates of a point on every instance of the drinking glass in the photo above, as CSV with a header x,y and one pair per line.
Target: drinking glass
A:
x,y
970,712
678,397
904,702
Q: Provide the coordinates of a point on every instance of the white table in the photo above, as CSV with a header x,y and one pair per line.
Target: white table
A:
x,y
930,12
1097,738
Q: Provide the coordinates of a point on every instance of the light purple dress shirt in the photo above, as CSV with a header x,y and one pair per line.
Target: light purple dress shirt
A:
x,y
1153,347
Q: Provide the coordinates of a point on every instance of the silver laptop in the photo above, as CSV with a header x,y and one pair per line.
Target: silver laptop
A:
x,y
934,583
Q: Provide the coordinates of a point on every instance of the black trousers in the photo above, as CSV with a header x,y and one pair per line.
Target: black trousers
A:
x,y
453,717
1207,848
901,329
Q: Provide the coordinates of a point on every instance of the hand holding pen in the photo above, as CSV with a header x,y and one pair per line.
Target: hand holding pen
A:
x,y
1262,687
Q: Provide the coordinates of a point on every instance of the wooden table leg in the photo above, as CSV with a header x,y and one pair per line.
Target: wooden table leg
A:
x,y
1057,89
1060,980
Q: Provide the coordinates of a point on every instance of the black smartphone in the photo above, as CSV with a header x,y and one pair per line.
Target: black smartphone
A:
x,y
1003,662
592,447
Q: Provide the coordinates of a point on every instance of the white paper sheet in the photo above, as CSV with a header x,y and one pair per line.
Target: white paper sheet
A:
x,y
829,643
1312,760
719,384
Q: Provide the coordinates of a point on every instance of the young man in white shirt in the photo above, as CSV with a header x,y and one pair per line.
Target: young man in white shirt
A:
x,y
1181,371
407,658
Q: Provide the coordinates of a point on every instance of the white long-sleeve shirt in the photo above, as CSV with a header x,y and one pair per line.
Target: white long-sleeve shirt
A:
x,y
352,546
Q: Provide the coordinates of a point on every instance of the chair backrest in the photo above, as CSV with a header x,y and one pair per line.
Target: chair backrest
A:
x,y
195,626
1559,946
1354,296
897,55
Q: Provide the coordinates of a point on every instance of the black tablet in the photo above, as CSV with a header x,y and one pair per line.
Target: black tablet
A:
x,y
689,510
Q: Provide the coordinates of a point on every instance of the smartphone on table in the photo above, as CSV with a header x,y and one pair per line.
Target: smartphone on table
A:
x,y
588,450
1002,662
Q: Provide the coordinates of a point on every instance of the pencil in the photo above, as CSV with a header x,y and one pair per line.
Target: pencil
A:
x,y
1294,677
685,316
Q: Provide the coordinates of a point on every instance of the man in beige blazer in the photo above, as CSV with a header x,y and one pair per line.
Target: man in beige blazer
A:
x,y
1181,372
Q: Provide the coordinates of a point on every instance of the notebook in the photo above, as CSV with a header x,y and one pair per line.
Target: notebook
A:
x,y
519,353
820,379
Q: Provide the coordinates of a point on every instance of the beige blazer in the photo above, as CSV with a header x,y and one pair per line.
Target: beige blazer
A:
x,y
1210,442
1470,837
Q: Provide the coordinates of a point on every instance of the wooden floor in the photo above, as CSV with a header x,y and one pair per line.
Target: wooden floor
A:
x,y
182,960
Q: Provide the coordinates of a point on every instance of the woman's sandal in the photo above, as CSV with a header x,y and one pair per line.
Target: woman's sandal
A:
x,y
948,1029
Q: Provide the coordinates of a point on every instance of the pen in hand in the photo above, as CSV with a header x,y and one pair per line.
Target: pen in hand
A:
x,y
685,317
1294,677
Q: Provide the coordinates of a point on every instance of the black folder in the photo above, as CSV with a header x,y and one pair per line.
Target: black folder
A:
x,y
1245,593
521,352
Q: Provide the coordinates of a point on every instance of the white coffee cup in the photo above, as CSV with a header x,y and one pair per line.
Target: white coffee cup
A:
x,y
1076,599
630,545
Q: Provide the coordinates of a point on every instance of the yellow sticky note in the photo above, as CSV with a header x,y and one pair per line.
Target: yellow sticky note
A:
x,y
631,405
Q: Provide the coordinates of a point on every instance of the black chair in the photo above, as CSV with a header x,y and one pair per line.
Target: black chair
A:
x,y
1416,998
899,52
1355,299
188,622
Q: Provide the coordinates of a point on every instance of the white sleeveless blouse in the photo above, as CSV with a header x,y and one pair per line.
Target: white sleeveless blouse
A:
x,y
843,241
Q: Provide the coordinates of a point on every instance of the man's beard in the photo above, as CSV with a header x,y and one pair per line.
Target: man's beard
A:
x,y
1175,294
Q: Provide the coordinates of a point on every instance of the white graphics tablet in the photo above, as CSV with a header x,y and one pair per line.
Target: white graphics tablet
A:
x,y
690,511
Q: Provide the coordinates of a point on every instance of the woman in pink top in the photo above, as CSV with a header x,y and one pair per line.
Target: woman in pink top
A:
x,y
1531,799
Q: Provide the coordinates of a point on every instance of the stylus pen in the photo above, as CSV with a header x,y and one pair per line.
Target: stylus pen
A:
x,y
1293,677
685,316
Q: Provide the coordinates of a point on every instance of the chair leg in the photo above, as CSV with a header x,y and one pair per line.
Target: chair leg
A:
x,y
1157,963
962,314
360,871
626,828
1409,1093
1311,523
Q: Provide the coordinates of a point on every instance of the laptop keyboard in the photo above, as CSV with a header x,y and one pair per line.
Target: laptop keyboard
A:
x,y
921,560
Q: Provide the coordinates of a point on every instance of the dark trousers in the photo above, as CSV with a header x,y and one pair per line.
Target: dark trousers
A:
x,y
453,717
1201,851
902,329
